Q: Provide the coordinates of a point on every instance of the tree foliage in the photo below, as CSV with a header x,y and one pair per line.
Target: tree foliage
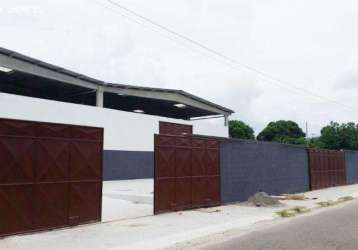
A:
x,y
314,142
284,132
333,136
240,130
339,136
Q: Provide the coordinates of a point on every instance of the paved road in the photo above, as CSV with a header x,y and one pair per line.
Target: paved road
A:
x,y
332,229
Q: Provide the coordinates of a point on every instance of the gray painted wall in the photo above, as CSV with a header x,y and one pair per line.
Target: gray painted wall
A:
x,y
126,165
351,166
248,167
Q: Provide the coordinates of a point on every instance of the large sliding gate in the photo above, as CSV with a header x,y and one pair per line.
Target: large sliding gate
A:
x,y
50,175
187,173
327,168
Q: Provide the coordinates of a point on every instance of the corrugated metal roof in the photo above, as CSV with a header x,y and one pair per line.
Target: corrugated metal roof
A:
x,y
70,73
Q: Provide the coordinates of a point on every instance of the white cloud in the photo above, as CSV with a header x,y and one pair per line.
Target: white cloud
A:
x,y
312,44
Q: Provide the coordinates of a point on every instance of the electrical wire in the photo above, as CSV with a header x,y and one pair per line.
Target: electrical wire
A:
x,y
229,61
184,45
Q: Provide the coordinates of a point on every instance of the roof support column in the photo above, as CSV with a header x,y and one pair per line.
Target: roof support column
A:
x,y
99,97
226,120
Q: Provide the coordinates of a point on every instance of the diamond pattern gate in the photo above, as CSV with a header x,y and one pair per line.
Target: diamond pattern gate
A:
x,y
50,175
187,173
327,168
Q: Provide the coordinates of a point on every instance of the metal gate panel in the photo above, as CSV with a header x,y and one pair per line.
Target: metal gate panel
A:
x,y
86,133
212,144
183,155
168,128
182,193
50,206
327,168
84,161
165,158
183,142
183,162
213,172
199,191
53,159
166,200
50,175
46,130
85,204
213,190
166,162
15,209
199,162
168,141
212,162
86,189
187,173
17,157
17,128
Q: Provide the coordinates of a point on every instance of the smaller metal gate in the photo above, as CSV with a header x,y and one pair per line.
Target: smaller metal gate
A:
x,y
327,168
169,128
187,173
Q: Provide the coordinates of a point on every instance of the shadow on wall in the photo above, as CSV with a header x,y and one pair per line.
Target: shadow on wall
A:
x,y
127,165
248,167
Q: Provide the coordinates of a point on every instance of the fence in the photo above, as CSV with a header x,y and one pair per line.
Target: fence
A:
x,y
248,167
351,166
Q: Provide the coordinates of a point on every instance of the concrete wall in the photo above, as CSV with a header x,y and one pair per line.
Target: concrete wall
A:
x,y
124,132
248,167
351,166
126,165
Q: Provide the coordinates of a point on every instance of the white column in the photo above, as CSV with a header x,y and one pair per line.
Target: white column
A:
x,y
99,97
226,118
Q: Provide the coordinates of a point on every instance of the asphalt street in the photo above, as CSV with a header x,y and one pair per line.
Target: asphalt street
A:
x,y
335,228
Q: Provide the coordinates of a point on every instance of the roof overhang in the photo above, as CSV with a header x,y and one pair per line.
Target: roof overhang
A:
x,y
176,96
61,84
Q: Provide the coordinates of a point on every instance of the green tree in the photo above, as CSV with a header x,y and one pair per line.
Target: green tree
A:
x,y
339,136
314,142
239,129
284,132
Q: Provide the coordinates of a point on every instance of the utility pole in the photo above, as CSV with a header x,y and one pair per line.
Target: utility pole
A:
x,y
307,134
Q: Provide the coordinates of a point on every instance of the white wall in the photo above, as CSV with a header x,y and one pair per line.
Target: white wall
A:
x,y
122,130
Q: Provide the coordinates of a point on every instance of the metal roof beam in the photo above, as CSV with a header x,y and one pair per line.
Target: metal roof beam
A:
x,y
19,62
174,97
33,69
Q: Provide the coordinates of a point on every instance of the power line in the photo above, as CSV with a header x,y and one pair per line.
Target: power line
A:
x,y
185,45
188,47
273,80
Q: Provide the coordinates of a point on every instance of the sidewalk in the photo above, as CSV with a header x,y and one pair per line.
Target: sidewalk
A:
x,y
155,232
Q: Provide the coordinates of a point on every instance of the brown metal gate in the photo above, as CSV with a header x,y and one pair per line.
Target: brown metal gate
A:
x,y
50,175
327,168
187,173
169,128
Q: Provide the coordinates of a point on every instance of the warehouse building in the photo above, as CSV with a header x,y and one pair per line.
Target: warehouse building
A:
x,y
63,133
